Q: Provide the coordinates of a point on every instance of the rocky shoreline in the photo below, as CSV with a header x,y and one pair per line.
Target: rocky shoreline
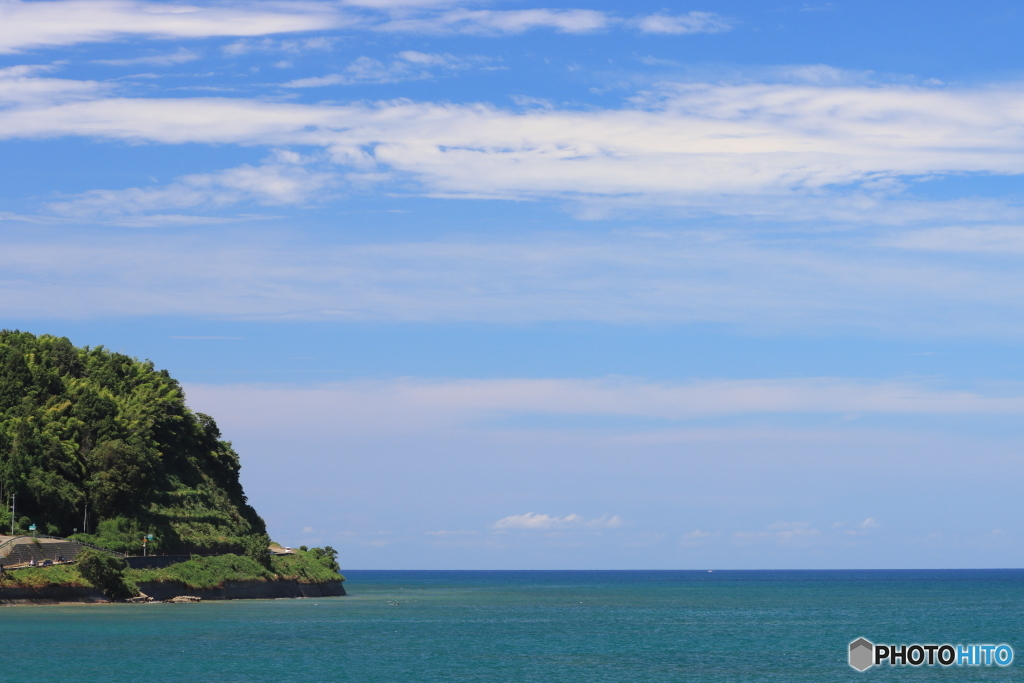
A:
x,y
168,590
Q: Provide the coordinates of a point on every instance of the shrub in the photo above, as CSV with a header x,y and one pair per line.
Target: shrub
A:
x,y
257,548
106,572
327,556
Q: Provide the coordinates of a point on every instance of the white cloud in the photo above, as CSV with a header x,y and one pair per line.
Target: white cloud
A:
x,y
180,56
406,66
431,59
292,46
694,22
779,150
390,5
26,25
495,22
273,183
21,86
532,520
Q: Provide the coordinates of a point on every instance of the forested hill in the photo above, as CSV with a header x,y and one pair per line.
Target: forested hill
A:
x,y
87,427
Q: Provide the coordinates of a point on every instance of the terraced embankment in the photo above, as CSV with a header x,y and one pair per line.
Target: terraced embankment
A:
x,y
21,550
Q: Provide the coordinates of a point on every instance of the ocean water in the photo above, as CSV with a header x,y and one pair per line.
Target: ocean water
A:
x,y
548,627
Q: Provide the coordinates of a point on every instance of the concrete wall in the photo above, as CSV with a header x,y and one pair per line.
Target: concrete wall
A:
x,y
47,549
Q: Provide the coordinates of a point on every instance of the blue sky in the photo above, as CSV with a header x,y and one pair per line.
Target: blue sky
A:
x,y
541,285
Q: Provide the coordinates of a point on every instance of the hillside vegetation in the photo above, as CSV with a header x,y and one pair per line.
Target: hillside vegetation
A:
x,y
88,427
316,565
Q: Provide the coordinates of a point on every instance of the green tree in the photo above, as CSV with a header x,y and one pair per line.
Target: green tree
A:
x,y
106,572
85,429
327,556
257,547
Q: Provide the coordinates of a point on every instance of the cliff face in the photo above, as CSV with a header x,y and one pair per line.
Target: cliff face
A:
x,y
88,430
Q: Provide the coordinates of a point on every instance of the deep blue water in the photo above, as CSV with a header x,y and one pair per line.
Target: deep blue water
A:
x,y
550,627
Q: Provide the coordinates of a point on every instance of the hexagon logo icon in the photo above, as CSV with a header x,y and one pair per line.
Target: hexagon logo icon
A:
x,y
862,654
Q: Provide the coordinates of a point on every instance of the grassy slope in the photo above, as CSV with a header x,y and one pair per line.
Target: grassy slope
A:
x,y
199,572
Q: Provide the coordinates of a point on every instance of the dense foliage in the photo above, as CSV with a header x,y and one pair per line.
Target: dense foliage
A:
x,y
210,572
86,429
106,572
309,565
315,566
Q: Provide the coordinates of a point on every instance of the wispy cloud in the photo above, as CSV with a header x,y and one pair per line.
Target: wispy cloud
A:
x,y
26,25
22,86
467,402
279,182
773,284
695,537
694,22
532,520
784,150
985,239
858,528
495,22
180,56
290,46
406,66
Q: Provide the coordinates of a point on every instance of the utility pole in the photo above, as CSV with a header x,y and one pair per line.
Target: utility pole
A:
x,y
85,520
12,514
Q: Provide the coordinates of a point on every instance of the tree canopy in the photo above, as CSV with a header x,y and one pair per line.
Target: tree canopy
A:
x,y
89,427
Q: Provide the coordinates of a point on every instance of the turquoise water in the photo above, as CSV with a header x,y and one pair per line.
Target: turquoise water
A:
x,y
551,627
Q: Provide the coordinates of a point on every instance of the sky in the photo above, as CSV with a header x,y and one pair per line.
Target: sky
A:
x,y
548,285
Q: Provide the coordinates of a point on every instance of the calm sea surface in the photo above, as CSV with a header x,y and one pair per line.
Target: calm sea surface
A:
x,y
549,627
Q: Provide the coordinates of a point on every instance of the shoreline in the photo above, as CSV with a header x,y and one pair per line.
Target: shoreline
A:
x,y
159,591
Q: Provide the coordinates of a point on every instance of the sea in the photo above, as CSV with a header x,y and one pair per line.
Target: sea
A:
x,y
534,626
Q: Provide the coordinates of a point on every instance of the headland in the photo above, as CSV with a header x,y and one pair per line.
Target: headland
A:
x,y
104,469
